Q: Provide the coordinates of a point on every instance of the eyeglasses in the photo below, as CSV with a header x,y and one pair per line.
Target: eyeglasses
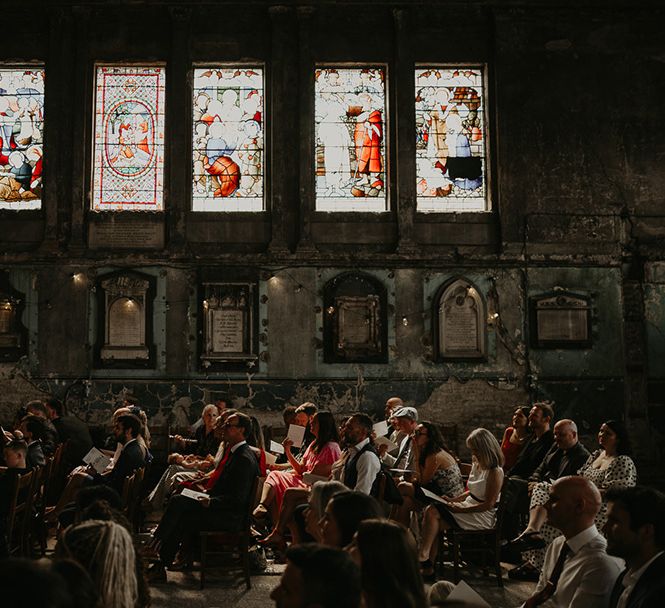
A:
x,y
417,433
228,424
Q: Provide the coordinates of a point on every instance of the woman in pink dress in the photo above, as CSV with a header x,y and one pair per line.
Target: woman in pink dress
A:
x,y
317,460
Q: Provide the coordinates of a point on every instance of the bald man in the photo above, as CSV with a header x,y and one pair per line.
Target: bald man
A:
x,y
577,572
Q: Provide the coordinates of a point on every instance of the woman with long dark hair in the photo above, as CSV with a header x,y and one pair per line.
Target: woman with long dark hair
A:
x,y
386,554
436,471
284,490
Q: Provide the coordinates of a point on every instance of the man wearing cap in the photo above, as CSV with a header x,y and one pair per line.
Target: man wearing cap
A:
x,y
407,418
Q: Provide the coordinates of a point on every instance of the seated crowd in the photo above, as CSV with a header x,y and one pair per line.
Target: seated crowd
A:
x,y
358,512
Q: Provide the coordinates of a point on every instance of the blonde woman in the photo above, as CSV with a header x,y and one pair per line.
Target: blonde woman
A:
x,y
474,509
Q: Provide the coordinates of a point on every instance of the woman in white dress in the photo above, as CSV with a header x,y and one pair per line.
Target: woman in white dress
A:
x,y
474,509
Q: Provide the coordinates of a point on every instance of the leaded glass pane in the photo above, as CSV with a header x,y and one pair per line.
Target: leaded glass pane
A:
x,y
451,160
350,139
128,172
228,139
21,137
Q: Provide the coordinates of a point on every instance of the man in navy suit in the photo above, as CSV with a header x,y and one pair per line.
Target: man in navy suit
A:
x,y
635,531
225,507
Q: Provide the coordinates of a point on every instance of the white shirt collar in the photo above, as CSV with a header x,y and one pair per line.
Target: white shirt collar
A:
x,y
631,577
579,540
361,445
237,445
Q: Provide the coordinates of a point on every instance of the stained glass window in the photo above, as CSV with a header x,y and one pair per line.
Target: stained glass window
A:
x,y
350,110
451,161
21,132
228,139
128,168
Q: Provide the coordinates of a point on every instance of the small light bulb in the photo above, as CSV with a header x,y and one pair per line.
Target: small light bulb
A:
x,y
405,321
330,310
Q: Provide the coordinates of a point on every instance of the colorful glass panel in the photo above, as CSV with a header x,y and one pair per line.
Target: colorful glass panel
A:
x,y
451,161
128,171
228,153
21,137
350,110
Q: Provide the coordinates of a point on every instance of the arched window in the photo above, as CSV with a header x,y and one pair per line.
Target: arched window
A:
x,y
460,327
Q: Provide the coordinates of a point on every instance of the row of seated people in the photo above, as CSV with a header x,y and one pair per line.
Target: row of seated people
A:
x,y
362,560
473,508
419,451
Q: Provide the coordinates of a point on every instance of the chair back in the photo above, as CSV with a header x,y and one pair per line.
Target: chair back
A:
x,y
127,490
20,507
57,475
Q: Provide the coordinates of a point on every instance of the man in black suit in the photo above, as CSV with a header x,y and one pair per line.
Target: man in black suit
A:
x,y
34,431
72,431
225,508
635,531
131,457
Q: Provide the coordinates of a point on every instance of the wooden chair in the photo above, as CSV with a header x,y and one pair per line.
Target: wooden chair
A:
x,y
131,496
128,492
39,526
484,543
230,544
20,511
57,476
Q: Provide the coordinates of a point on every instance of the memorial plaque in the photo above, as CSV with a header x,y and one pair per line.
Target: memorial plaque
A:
x,y
561,321
461,322
358,326
126,233
124,299
228,328
355,319
9,337
13,335
228,322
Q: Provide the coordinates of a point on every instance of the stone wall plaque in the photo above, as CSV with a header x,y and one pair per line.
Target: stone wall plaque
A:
x,y
124,306
228,322
355,319
561,321
13,335
461,322
358,324
126,232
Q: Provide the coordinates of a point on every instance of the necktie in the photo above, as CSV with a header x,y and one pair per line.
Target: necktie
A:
x,y
548,591
558,567
402,453
218,471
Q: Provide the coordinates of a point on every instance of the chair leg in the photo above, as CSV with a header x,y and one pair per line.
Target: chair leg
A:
x,y
456,559
497,565
204,553
244,551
